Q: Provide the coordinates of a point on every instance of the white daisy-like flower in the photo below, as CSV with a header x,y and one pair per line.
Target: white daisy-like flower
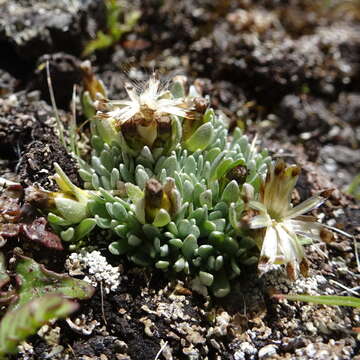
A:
x,y
146,115
153,100
280,225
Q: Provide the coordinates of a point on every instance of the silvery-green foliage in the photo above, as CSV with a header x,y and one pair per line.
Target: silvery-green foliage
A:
x,y
198,232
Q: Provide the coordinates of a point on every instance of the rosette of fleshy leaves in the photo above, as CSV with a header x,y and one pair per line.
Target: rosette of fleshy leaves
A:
x,y
172,199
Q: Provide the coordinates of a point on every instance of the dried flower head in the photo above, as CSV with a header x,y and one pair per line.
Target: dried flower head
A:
x,y
281,225
147,112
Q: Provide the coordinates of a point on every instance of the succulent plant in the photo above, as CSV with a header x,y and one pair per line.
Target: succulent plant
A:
x,y
167,180
179,193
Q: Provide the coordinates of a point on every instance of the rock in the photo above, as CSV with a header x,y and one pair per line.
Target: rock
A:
x,y
31,28
7,83
65,72
348,107
300,115
267,351
27,133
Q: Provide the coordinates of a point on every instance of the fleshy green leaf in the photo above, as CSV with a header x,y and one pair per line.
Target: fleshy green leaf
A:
x,y
84,228
206,278
68,234
35,280
221,285
18,324
134,192
162,218
201,138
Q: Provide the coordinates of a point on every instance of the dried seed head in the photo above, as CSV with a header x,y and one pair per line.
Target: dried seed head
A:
x,y
238,173
40,198
92,84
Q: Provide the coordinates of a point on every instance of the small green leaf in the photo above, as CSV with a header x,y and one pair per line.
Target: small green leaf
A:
x,y
221,285
205,250
84,228
201,138
190,165
119,211
231,192
57,220
323,299
189,246
162,218
171,165
163,265
179,264
205,198
18,324
184,227
103,223
206,278
235,267
134,192
68,234
35,280
133,240
121,230
85,175
176,242
119,247
219,262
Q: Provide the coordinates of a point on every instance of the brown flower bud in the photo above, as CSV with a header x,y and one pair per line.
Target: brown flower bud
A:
x,y
238,173
153,193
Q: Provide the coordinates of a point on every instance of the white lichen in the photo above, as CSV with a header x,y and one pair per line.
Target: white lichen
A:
x,y
95,268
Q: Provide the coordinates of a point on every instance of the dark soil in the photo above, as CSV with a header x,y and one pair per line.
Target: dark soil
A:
x,y
288,71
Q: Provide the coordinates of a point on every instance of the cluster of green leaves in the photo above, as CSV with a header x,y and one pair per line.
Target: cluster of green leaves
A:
x,y
39,296
199,234
114,28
